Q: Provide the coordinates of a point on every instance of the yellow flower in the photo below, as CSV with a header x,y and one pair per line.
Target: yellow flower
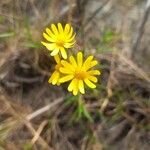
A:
x,y
79,72
59,39
54,79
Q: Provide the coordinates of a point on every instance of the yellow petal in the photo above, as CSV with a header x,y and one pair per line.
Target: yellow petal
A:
x,y
67,65
66,78
48,38
50,33
73,61
54,78
70,33
49,46
60,28
72,85
87,61
94,72
89,83
57,59
54,29
81,86
54,52
79,59
75,87
71,39
63,53
69,45
66,70
91,64
67,28
92,78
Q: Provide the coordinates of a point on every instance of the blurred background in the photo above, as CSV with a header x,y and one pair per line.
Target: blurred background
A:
x,y
34,115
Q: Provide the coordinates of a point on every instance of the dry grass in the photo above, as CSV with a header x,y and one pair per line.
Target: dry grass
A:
x,y
35,115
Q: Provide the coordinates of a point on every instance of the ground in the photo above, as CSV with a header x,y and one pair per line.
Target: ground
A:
x,y
37,115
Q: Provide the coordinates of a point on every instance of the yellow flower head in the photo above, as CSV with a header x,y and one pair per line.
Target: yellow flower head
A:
x,y
54,79
79,72
59,39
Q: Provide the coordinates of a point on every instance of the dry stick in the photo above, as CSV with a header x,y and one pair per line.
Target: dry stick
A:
x,y
31,116
141,29
35,114
38,132
43,109
109,84
41,140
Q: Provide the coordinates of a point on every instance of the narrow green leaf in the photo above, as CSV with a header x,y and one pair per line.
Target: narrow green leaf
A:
x,y
6,34
87,115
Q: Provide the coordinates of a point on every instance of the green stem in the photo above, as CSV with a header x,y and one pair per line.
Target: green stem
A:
x,y
82,111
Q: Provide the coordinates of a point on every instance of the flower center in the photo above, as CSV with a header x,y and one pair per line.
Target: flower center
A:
x,y
81,75
60,42
57,67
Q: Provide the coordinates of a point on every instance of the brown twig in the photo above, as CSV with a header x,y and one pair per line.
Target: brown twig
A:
x,y
41,140
39,130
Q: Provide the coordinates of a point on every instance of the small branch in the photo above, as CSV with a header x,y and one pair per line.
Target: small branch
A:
x,y
40,139
38,132
43,109
141,29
